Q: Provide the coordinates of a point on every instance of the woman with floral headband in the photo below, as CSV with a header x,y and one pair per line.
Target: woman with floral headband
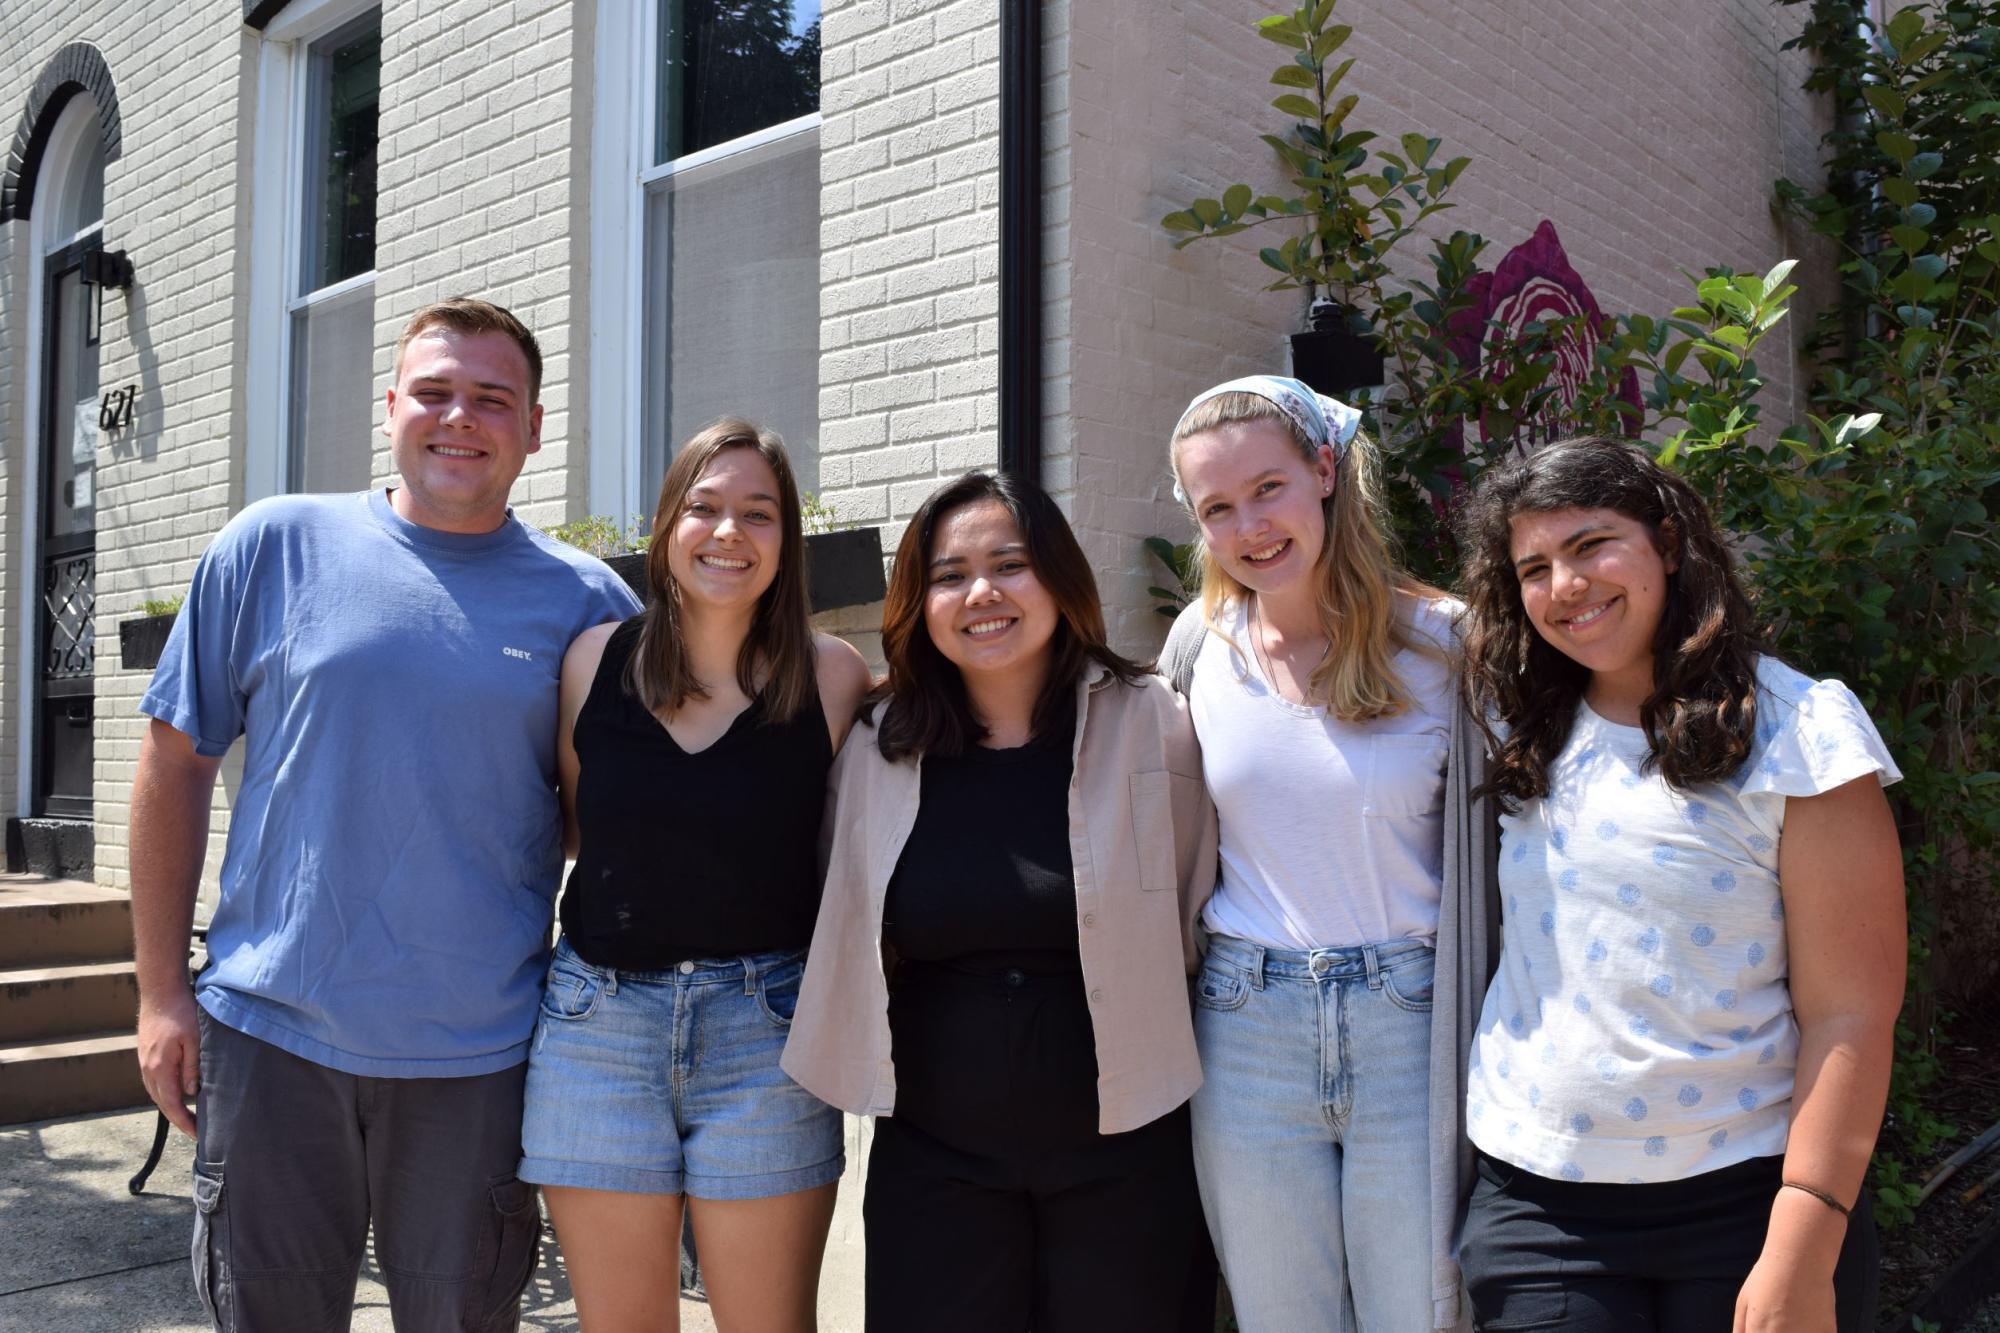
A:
x,y
1354,884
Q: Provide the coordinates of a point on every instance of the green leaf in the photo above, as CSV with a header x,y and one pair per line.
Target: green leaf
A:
x,y
1330,41
1338,72
1924,166
1272,259
1339,112
1776,277
1853,428
1904,29
1910,240
1900,192
1887,101
1925,46
1209,211
1920,215
1181,221
1282,29
1982,111
1294,76
1900,148
1929,267
1294,105
1235,199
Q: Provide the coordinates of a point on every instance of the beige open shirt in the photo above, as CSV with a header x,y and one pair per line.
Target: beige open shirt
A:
x,y
1142,840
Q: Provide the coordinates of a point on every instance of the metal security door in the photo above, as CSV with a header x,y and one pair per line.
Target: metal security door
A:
x,y
68,575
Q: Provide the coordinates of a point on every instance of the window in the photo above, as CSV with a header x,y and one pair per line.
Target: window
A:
x,y
331,308
726,144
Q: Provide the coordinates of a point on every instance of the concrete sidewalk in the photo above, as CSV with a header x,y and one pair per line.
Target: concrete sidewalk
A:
x,y
81,1255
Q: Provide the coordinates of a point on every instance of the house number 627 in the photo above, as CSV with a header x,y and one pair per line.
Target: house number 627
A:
x,y
114,410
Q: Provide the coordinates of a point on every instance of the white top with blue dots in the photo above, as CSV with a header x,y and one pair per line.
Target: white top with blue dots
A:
x,y
1639,1028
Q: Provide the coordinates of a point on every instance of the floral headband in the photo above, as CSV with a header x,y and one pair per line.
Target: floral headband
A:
x,y
1326,422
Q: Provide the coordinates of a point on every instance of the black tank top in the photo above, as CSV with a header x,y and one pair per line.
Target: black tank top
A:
x,y
704,855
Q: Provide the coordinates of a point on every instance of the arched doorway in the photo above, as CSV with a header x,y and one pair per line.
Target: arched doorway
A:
x,y
62,199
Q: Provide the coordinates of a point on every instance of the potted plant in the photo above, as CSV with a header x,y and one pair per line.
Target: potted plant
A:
x,y
1353,214
143,637
843,567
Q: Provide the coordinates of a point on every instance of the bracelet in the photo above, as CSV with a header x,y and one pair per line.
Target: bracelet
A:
x,y
1819,1194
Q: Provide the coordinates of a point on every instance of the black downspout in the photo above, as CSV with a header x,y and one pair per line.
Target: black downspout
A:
x,y
1021,238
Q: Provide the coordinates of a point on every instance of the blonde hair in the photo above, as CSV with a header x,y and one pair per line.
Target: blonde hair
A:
x,y
1359,583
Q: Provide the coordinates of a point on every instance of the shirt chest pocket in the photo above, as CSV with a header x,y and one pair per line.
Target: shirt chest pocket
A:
x,y
1154,796
1404,777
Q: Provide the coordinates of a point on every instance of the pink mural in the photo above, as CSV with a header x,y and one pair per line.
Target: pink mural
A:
x,y
1536,282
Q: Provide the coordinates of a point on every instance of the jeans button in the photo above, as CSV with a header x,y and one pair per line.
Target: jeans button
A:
x,y
1319,967
687,967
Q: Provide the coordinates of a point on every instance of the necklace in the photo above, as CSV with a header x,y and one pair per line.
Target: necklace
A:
x,y
1264,657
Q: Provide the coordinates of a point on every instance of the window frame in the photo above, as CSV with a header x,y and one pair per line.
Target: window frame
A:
x,y
624,175
278,234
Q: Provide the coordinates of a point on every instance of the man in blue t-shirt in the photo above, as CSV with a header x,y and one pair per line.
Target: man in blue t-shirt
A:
x,y
356,1046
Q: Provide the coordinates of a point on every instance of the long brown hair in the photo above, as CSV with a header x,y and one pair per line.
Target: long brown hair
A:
x,y
1360,591
780,642
928,711
1702,713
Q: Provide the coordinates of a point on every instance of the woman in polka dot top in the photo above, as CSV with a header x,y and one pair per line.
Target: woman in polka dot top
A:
x,y
1680,1067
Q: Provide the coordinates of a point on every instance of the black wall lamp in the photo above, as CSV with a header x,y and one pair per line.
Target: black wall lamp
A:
x,y
101,269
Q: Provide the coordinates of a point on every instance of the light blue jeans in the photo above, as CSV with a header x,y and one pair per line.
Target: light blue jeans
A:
x,y
1310,1138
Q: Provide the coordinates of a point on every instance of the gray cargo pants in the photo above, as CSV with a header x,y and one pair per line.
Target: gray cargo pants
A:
x,y
294,1160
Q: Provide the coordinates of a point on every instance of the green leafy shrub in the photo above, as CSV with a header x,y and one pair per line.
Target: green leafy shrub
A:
x,y
599,535
162,606
1866,529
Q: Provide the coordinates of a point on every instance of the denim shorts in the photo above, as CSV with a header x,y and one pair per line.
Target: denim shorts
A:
x,y
668,1082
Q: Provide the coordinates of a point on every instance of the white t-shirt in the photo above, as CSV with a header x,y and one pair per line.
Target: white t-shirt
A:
x,y
1639,1028
1332,832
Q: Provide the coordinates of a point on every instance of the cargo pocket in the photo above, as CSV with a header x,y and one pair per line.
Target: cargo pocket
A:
x,y
509,1239
211,1248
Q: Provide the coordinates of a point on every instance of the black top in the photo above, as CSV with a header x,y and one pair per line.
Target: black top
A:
x,y
985,880
704,855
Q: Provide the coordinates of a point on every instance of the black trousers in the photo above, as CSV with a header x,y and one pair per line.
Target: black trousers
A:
x,y
993,1204
1672,1257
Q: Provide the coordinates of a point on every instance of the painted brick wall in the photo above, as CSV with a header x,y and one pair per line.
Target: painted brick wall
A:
x,y
164,485
1648,130
481,179
909,251
482,176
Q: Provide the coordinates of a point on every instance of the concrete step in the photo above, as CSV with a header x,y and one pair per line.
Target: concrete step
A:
x,y
45,1003
50,922
93,1072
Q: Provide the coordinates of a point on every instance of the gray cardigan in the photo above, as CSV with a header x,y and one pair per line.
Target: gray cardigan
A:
x,y
1468,948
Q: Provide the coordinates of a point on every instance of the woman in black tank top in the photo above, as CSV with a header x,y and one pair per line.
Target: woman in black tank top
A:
x,y
694,749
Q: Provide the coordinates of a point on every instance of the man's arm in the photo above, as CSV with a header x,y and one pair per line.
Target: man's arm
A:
x,y
169,832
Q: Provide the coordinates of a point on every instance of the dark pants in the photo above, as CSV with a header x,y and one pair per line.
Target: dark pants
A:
x,y
993,1204
1671,1257
295,1159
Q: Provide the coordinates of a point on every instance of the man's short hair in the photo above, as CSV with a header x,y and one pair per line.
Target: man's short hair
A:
x,y
468,314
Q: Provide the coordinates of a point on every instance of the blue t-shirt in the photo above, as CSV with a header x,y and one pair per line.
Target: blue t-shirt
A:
x,y
396,841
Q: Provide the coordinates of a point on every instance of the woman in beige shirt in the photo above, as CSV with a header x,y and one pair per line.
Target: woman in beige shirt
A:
x,y
999,968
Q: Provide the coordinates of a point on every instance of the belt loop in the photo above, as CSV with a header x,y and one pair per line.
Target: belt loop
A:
x,y
1257,967
610,980
749,975
1374,966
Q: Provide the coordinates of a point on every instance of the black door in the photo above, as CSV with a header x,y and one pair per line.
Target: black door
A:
x,y
67,635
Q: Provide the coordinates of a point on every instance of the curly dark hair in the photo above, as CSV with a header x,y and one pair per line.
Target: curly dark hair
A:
x,y
1701,716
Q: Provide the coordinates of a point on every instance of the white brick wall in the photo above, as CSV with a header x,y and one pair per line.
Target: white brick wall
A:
x,y
164,485
909,251
483,187
1648,130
